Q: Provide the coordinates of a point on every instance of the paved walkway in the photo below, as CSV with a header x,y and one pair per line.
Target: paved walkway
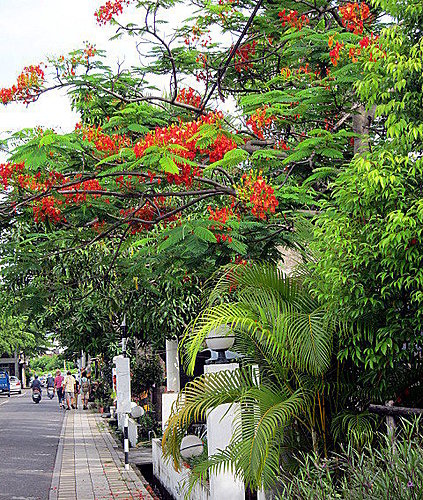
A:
x,y
88,464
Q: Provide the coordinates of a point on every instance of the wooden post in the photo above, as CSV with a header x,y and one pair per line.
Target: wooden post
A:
x,y
390,422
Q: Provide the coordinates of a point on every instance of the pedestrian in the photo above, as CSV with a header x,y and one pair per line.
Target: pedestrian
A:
x,y
50,380
75,405
69,385
85,390
58,386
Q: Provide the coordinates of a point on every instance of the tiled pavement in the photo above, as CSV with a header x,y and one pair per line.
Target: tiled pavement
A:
x,y
88,464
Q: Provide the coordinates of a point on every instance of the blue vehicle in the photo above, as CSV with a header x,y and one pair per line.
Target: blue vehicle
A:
x,y
4,383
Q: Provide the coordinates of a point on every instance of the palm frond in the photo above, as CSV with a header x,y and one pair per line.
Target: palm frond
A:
x,y
198,397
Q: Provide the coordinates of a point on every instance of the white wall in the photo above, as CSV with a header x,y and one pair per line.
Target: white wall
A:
x,y
176,482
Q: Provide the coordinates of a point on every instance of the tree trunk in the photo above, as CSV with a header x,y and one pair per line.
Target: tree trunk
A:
x,y
362,121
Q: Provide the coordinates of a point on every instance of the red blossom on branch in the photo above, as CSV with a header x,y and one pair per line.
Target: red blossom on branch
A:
x,y
256,192
292,19
181,135
259,121
104,143
243,56
27,87
111,8
354,15
189,96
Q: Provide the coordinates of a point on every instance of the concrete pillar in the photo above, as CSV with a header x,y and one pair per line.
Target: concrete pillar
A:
x,y
172,366
219,433
123,387
16,364
24,375
173,384
83,360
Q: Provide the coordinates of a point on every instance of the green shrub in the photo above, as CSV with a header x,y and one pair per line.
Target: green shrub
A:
x,y
387,470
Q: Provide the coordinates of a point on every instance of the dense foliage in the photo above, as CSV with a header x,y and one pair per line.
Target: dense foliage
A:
x,y
389,471
369,237
155,190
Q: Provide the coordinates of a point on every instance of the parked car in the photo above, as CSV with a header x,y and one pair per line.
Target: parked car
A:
x,y
4,383
15,385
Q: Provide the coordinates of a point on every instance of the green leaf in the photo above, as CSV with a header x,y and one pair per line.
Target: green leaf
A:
x,y
136,127
168,165
205,234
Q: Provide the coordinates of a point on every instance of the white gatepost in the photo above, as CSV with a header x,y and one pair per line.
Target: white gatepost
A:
x,y
220,423
123,387
173,384
172,366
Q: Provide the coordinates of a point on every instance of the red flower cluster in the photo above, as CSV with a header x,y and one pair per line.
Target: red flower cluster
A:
x,y
367,43
287,72
186,175
182,135
243,56
221,216
354,16
255,191
27,87
282,145
353,52
259,121
147,213
77,193
219,148
105,143
189,96
336,48
47,208
7,170
111,8
291,19
89,51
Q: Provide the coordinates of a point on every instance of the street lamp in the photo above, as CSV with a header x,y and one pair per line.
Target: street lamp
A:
x,y
218,340
124,329
191,446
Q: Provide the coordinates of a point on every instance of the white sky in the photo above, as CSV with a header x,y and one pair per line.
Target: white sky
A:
x,y
30,30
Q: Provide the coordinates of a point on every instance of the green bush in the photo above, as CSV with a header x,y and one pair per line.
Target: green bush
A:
x,y
145,373
385,471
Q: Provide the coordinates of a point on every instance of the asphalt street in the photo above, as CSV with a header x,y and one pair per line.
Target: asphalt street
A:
x,y
29,435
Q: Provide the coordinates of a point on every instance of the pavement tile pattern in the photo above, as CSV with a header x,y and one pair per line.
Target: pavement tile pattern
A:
x,y
89,465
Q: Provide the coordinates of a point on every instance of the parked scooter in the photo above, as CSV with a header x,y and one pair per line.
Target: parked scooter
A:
x,y
50,392
36,395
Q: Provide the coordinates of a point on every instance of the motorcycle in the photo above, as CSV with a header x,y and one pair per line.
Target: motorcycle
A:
x,y
50,392
36,395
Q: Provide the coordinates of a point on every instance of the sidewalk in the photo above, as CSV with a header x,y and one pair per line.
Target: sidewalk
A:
x,y
88,464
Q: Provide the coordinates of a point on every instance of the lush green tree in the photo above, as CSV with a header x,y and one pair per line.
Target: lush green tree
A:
x,y
289,73
169,178
369,236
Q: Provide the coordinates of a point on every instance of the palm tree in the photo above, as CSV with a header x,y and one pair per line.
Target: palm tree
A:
x,y
285,338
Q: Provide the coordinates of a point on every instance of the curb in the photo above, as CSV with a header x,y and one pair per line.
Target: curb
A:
x,y
55,480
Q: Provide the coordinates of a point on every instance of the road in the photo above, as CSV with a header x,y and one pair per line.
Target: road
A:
x,y
29,435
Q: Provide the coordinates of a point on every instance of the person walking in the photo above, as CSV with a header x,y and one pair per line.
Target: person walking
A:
x,y
58,387
75,405
69,385
85,390
50,380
